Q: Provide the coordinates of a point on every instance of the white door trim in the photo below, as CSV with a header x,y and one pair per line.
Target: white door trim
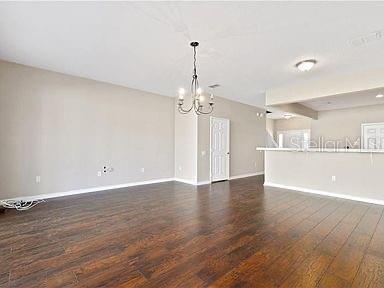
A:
x,y
211,118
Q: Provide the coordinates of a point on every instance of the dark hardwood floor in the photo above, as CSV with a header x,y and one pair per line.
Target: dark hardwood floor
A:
x,y
230,234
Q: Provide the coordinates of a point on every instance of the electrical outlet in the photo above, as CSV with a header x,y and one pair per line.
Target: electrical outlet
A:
x,y
203,153
105,169
142,170
333,178
180,168
38,179
99,173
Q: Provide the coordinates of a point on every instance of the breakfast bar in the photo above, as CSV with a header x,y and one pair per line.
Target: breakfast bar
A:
x,y
355,174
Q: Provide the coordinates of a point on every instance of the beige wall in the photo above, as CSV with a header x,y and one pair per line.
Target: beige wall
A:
x,y
295,123
66,128
247,131
335,125
185,146
357,174
339,124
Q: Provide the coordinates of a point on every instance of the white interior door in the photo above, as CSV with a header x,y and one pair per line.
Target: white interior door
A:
x,y
219,149
373,136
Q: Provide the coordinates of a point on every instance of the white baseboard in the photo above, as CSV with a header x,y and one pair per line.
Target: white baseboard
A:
x,y
91,189
112,187
191,182
246,175
186,181
203,183
325,193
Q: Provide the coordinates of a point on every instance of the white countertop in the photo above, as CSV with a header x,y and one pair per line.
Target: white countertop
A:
x,y
326,150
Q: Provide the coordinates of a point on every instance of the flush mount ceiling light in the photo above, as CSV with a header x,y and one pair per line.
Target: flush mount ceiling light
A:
x,y
379,96
196,92
306,65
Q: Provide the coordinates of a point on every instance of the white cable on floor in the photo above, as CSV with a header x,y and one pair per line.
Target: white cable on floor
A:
x,y
20,205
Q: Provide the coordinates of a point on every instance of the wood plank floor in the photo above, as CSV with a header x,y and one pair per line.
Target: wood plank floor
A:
x,y
230,234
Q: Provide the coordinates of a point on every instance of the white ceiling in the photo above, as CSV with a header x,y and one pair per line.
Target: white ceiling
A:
x,y
246,47
347,100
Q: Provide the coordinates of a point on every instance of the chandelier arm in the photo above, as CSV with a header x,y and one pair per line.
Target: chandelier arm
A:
x,y
185,111
197,110
201,112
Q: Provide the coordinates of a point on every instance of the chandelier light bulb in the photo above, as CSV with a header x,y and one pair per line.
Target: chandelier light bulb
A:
x,y
181,93
211,99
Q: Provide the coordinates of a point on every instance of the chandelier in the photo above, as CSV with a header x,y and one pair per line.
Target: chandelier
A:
x,y
197,96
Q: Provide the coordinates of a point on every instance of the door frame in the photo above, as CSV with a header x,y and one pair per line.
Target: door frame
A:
x,y
362,132
211,118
